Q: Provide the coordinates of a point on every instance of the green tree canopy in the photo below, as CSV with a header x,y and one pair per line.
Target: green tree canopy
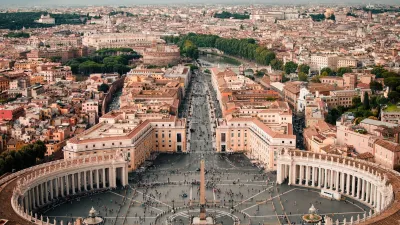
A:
x,y
303,76
343,70
290,67
104,87
304,68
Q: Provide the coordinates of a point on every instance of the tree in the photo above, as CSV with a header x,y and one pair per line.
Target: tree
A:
x,y
378,71
104,87
315,79
304,68
332,116
366,101
55,59
356,101
324,74
277,64
375,86
303,76
394,96
328,70
343,70
392,82
290,67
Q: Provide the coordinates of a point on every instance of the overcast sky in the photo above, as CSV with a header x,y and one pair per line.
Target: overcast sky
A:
x,y
128,2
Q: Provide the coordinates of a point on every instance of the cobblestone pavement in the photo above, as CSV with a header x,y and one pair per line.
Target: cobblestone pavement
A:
x,y
235,188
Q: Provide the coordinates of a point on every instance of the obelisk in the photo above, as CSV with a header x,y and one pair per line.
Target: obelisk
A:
x,y
202,191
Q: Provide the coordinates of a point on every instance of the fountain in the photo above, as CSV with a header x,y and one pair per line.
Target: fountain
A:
x,y
312,217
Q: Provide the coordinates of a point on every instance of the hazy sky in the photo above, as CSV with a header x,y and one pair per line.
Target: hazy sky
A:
x,y
127,2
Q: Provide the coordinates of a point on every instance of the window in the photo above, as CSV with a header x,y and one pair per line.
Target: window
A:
x,y
239,134
156,135
232,134
179,137
169,135
162,135
283,142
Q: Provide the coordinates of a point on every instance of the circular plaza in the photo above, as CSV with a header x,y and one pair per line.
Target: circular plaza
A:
x,y
235,190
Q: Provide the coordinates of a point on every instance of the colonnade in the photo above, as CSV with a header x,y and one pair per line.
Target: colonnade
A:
x,y
337,174
73,183
52,181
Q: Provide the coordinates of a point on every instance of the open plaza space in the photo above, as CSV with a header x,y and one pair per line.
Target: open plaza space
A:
x,y
232,182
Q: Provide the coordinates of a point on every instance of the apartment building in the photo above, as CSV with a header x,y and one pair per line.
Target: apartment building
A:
x,y
319,62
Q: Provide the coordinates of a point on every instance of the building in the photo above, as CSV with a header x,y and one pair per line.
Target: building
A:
x,y
319,62
46,19
347,62
120,130
252,137
161,55
390,114
11,112
136,41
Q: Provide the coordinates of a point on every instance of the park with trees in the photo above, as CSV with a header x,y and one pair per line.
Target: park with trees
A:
x,y
227,15
244,48
104,61
29,155
19,20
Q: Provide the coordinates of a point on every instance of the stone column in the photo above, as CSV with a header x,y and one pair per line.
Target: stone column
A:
x,y
363,190
67,186
319,176
111,177
51,189
313,176
124,176
353,187
35,197
97,179
367,192
79,181
42,194
279,173
359,186
85,180
73,183
372,197
290,171
301,175
337,181
91,179
307,174
348,184
326,179
62,185
46,191
331,179
378,201
342,175
56,188
103,178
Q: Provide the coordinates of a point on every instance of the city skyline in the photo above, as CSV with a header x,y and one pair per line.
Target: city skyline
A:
x,y
27,3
